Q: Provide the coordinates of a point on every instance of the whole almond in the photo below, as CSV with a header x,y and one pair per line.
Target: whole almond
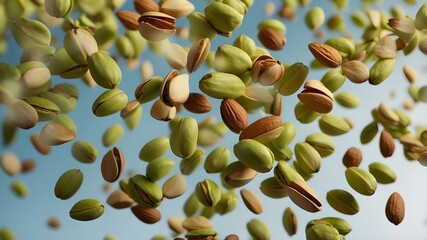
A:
x,y
262,126
325,54
271,39
395,208
28,165
197,103
386,144
317,97
234,115
128,19
252,201
146,215
352,157
142,6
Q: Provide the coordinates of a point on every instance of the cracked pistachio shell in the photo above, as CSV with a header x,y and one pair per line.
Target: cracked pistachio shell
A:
x,y
104,70
361,180
308,158
29,33
292,79
66,121
339,224
303,196
80,45
289,220
368,133
208,192
385,48
198,54
176,56
381,70
162,112
119,200
333,79
109,102
382,173
159,168
202,234
252,201
254,155
183,138
34,74
7,234
112,135
236,174
175,186
323,143
319,229
224,18
59,8
217,160
211,134
22,114
175,89
112,165
403,27
19,188
87,210
342,201
317,97
245,43
56,133
156,26
145,192
333,125
46,109
42,54
285,174
68,184
65,103
200,27
154,149
84,152
149,89
266,70
270,187
222,85
356,71
240,6
314,18
347,99
64,66
258,229
189,164
227,203
230,59
131,114
304,114
421,18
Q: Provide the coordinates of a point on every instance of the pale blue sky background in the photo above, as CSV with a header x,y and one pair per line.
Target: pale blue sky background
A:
x,y
28,217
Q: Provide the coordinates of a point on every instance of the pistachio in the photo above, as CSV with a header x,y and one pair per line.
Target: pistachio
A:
x,y
226,204
252,201
200,27
198,223
19,188
109,102
339,224
342,201
154,149
333,125
146,215
403,27
175,186
217,160
55,133
192,205
385,48
84,152
145,192
156,26
325,54
347,99
198,54
46,109
10,164
368,133
254,155
33,74
104,70
381,70
395,208
87,210
132,114
382,173
319,229
176,56
322,143
245,43
177,8
314,18
334,79
308,158
266,70
22,114
317,97
159,168
208,192
230,59
7,234
352,157
149,89
161,111
271,188
175,224
112,135
304,114
222,85
112,165
224,18
80,45
237,174
289,221
361,180
258,229
68,184
29,33
183,139
292,79
175,89
119,200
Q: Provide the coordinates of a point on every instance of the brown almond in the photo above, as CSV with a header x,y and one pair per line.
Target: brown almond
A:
x,y
41,148
119,199
143,6
112,165
410,73
352,157
54,223
232,237
325,54
234,115
197,103
270,127
28,166
271,39
395,209
386,144
128,19
317,97
129,109
252,201
146,215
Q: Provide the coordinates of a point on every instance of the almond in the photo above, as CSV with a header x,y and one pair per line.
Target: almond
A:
x,y
325,54
128,19
386,144
269,127
234,115
198,103
395,208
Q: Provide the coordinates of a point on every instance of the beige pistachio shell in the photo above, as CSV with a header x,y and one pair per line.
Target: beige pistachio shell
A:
x,y
112,165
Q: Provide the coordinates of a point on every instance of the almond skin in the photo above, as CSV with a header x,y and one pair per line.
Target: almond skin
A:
x,y
395,209
325,54
198,103
234,115
261,126
386,144
128,19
